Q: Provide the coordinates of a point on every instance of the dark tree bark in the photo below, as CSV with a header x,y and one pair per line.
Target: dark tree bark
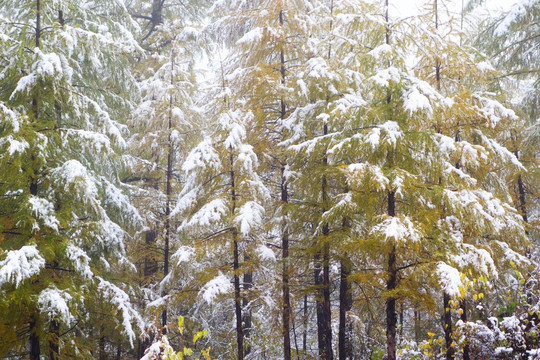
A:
x,y
466,348
304,335
286,313
450,350
319,296
168,194
324,311
345,305
246,312
34,338
102,355
391,284
237,300
236,270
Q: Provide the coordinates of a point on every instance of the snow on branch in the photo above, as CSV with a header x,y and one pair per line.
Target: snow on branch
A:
x,y
120,299
20,265
54,303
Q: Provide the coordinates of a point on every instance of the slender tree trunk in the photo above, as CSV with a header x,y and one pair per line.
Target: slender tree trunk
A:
x,y
286,313
246,312
319,296
345,305
150,264
34,338
237,299
450,350
168,193
304,336
466,348
236,270
522,201
102,354
391,284
327,311
325,327
417,326
33,328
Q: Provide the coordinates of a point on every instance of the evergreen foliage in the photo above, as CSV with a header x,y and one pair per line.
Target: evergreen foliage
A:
x,y
301,179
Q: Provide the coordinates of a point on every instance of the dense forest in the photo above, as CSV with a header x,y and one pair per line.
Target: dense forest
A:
x,y
269,179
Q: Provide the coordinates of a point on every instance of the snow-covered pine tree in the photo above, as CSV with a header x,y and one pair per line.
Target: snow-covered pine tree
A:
x,y
512,43
65,215
477,119
165,124
222,207
268,41
403,179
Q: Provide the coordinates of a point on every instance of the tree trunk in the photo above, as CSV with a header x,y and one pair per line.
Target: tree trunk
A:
x,y
417,326
450,350
102,353
326,306
34,338
246,312
391,284
466,348
319,296
237,299
286,313
150,264
522,202
327,311
236,270
304,335
168,194
345,305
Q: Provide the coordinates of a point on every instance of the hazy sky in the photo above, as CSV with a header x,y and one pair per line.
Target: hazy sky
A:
x,y
412,7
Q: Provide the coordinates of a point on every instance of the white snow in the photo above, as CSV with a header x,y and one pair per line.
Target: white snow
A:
x,y
120,300
449,279
253,36
44,210
383,77
265,253
477,258
446,144
374,137
10,116
210,213
24,84
357,173
485,67
80,261
218,285
73,173
381,49
249,216
518,10
184,254
415,101
393,132
20,265
400,230
493,110
15,146
54,303
202,156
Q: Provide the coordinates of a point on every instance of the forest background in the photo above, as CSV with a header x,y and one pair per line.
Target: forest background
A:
x,y
269,179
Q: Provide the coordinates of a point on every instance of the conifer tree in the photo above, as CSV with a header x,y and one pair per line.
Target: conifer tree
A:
x,y
65,215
